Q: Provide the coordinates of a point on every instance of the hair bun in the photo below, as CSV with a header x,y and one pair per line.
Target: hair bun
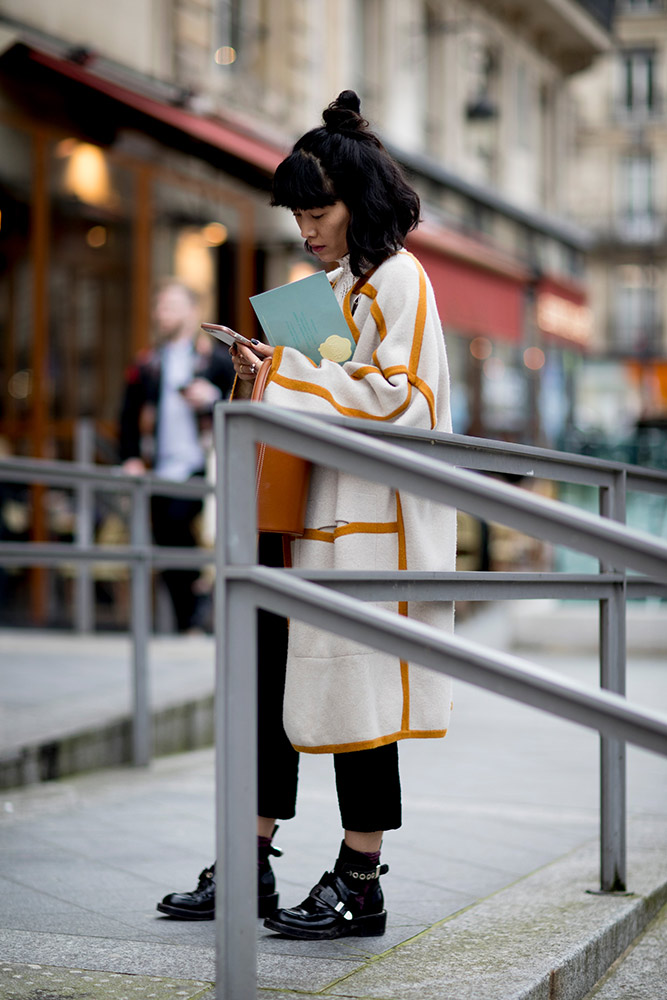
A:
x,y
343,114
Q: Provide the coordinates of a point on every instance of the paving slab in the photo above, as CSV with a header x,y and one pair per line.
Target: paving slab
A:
x,y
39,982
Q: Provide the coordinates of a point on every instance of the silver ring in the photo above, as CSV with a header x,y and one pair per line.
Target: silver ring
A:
x,y
252,369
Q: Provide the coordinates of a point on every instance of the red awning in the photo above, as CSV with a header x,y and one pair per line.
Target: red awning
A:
x,y
478,289
212,131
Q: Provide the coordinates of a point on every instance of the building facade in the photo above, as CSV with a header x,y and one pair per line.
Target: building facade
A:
x,y
138,139
619,192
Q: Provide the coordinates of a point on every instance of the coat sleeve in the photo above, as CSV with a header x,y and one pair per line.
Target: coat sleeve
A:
x,y
129,438
220,371
395,367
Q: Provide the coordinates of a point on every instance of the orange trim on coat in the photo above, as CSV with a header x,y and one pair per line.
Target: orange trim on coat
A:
x,y
366,370
377,315
349,319
275,362
419,384
380,741
420,321
357,289
351,528
296,385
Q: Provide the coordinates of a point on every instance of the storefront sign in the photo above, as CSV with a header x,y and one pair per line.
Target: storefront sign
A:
x,y
563,318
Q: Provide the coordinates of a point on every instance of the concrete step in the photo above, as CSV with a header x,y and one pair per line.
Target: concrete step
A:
x,y
546,937
66,701
641,971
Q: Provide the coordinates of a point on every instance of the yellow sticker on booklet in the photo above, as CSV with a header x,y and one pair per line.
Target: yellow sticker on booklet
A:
x,y
336,348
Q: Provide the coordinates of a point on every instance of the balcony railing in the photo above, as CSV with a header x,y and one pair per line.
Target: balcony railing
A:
x,y
639,7
639,229
639,113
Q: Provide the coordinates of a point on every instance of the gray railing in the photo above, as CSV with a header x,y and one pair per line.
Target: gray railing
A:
x,y
85,481
242,587
437,466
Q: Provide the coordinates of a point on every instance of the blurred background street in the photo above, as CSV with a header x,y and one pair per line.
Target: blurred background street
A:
x,y
138,143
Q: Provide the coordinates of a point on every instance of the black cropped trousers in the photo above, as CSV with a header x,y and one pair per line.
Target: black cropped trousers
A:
x,y
367,781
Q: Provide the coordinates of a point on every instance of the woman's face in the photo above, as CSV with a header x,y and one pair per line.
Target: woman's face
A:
x,y
325,230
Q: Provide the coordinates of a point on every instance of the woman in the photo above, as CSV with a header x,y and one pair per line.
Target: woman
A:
x,y
353,207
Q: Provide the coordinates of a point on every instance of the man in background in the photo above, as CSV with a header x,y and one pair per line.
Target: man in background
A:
x,y
165,426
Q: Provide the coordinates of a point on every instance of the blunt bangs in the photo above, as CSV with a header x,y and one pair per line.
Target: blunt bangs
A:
x,y
300,182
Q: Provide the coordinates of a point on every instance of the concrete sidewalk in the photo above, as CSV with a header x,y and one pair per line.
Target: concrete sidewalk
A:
x,y
486,892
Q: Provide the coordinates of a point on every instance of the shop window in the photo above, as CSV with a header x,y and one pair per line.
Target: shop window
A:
x,y
90,284
195,238
458,358
504,392
16,289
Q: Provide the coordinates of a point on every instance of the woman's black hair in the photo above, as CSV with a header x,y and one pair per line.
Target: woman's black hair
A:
x,y
344,160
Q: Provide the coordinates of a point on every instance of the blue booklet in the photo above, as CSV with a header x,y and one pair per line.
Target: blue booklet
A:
x,y
305,315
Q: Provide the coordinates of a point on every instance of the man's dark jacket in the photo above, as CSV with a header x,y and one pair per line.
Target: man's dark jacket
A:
x,y
139,411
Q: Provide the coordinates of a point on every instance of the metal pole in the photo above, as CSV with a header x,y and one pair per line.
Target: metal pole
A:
x,y
613,871
235,715
84,612
141,626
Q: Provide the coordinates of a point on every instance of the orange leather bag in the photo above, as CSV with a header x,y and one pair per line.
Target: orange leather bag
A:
x,y
282,480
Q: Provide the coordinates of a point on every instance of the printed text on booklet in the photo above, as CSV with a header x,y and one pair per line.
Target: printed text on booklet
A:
x,y
305,315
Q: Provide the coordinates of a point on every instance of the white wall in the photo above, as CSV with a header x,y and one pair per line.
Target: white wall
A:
x,y
128,31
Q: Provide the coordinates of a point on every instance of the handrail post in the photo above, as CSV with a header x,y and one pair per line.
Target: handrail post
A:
x,y
235,711
141,625
84,455
613,872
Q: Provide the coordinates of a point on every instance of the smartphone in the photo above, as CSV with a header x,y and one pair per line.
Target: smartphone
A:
x,y
226,335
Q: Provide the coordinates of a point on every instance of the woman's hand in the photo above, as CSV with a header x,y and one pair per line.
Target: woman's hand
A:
x,y
246,361
134,467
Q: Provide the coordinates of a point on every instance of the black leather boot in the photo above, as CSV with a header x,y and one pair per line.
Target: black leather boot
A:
x,y
345,902
267,897
196,905
200,903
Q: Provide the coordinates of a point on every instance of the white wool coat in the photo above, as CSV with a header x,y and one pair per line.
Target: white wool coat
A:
x,y
340,695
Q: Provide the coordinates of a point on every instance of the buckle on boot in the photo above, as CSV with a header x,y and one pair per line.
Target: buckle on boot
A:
x,y
362,874
342,910
325,892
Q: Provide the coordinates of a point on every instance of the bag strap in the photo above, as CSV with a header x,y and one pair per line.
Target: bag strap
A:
x,y
261,379
360,282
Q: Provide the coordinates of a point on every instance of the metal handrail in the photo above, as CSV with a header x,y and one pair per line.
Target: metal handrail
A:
x,y
485,497
479,495
507,457
84,479
242,587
